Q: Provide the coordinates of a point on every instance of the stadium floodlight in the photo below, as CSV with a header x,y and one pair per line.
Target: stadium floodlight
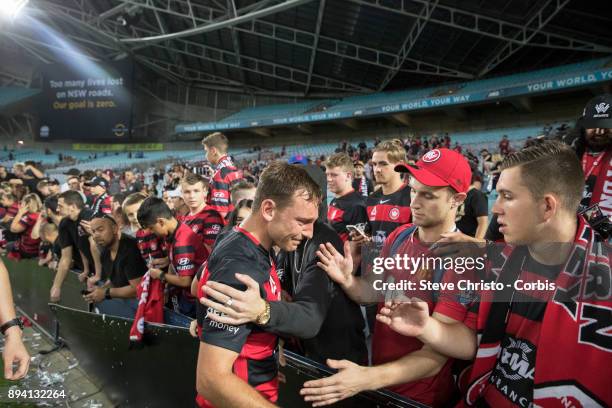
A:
x,y
10,8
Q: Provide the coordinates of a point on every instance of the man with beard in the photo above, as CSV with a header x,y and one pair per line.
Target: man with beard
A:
x,y
594,149
122,268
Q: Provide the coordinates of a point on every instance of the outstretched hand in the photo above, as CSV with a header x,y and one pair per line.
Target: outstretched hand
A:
x,y
406,317
350,379
338,267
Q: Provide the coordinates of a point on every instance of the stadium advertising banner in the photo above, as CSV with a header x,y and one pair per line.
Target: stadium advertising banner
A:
x,y
566,81
88,102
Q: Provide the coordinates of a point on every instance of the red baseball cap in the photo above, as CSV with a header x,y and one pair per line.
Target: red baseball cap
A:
x,y
440,168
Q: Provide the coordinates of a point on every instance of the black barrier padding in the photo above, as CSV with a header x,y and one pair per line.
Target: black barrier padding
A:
x,y
160,374
31,286
300,369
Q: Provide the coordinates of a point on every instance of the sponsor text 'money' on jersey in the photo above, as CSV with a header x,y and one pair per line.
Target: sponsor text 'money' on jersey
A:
x,y
241,252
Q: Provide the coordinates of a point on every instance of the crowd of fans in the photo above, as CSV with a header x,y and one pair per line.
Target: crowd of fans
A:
x,y
233,234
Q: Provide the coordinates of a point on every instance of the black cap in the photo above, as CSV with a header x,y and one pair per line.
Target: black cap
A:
x,y
73,172
598,113
97,181
105,217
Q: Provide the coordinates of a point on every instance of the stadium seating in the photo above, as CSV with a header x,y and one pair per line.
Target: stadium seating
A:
x,y
474,140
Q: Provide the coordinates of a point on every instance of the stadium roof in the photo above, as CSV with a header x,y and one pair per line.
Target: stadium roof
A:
x,y
319,47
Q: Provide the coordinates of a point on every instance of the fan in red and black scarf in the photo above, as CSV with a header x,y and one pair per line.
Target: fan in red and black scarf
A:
x,y
226,175
361,183
594,149
186,253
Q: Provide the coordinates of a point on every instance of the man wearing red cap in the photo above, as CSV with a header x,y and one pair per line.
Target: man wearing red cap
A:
x,y
439,184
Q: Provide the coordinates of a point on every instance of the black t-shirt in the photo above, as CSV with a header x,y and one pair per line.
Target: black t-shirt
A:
x,y
72,234
475,205
127,265
330,323
57,250
135,187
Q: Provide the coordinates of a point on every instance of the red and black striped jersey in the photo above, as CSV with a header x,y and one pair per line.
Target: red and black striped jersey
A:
x,y
12,210
186,253
206,224
241,252
102,204
150,245
349,209
226,175
27,244
387,212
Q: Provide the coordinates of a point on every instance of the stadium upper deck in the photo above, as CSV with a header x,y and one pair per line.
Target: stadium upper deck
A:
x,y
482,91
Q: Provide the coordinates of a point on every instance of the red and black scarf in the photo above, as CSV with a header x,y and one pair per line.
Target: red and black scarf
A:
x,y
574,352
150,295
602,191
